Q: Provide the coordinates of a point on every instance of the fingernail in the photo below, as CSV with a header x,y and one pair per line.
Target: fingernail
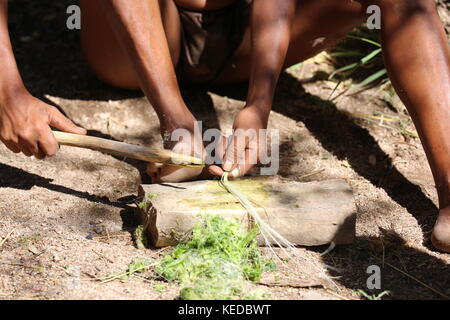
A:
x,y
81,130
227,165
235,173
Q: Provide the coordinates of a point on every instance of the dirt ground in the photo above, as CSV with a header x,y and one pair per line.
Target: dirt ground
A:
x,y
70,219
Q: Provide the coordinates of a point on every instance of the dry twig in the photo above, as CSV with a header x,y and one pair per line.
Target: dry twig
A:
x,y
6,238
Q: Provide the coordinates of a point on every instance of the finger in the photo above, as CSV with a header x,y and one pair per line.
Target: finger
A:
x,y
30,148
156,176
235,152
154,172
244,166
242,170
11,146
37,152
170,173
40,155
59,121
25,151
251,157
47,143
153,167
221,148
216,170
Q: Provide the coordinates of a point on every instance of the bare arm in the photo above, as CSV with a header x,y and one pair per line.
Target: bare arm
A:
x,y
144,41
271,23
24,120
10,79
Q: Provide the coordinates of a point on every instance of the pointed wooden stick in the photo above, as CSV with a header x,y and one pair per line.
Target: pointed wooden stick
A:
x,y
122,149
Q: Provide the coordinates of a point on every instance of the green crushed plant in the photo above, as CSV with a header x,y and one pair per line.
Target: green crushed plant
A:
x,y
216,262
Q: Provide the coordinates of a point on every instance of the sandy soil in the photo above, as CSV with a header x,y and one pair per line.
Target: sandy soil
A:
x,y
70,218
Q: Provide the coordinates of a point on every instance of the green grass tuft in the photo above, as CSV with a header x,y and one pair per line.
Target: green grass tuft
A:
x,y
359,56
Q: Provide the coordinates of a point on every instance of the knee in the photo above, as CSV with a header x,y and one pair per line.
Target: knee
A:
x,y
118,79
114,72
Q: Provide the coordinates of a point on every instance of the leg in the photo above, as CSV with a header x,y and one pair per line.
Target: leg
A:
x,y
421,76
332,20
103,52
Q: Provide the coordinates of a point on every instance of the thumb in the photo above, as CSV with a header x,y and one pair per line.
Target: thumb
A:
x,y
59,121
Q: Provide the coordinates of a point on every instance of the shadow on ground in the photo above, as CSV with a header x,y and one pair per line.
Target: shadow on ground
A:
x,y
15,178
406,272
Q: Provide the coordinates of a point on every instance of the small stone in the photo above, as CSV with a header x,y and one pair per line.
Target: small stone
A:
x,y
90,236
99,229
33,249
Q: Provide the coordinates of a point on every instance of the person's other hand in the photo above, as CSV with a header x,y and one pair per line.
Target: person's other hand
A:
x,y
244,146
25,123
188,141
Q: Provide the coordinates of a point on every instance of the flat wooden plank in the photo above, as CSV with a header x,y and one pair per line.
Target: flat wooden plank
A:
x,y
309,214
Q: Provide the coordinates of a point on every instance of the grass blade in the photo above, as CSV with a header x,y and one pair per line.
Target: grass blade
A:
x,y
365,40
377,75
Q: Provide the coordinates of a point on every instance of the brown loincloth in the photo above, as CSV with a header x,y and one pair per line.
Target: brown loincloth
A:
x,y
209,40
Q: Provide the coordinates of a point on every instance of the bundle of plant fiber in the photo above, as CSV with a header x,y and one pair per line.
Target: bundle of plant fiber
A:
x,y
269,234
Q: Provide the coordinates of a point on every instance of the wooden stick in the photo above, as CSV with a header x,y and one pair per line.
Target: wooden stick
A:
x,y
127,150
6,238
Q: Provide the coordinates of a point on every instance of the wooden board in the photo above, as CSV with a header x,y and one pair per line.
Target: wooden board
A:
x,y
309,214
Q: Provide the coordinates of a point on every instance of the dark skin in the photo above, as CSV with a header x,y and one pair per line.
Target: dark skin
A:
x,y
24,120
136,44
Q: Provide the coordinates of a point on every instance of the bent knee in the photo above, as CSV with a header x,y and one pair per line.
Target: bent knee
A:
x,y
102,51
123,79
113,69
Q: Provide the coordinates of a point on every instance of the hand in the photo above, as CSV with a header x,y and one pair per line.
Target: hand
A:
x,y
25,125
244,146
188,141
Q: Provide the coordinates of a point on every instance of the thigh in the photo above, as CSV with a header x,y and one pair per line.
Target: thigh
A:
x,y
103,51
318,25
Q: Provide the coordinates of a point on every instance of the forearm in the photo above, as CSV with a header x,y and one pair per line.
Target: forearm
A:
x,y
140,31
10,79
271,23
